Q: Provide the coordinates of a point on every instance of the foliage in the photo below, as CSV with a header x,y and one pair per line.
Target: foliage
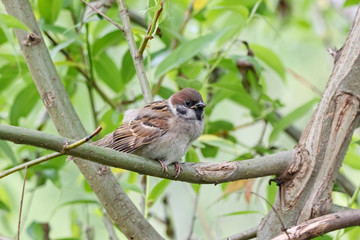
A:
x,y
249,59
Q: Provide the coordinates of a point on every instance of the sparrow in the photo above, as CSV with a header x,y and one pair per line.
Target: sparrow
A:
x,y
161,130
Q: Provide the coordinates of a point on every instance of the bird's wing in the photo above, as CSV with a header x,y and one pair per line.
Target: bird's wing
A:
x,y
142,130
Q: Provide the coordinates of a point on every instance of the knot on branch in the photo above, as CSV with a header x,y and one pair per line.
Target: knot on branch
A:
x,y
32,39
296,177
103,170
48,99
209,172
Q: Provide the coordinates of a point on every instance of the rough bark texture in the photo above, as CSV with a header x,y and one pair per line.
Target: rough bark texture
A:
x,y
321,225
306,186
206,173
123,212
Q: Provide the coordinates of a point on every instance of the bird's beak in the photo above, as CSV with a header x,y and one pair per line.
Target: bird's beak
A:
x,y
199,105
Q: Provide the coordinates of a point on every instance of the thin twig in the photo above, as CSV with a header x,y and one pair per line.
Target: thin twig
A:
x,y
49,156
247,234
103,15
305,82
91,70
151,30
196,204
272,207
109,225
174,44
137,58
21,204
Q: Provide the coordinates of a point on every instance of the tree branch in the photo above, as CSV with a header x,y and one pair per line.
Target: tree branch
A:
x,y
206,173
308,183
321,225
137,58
57,102
103,15
248,234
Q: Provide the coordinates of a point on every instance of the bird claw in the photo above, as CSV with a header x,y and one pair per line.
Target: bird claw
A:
x,y
178,169
163,165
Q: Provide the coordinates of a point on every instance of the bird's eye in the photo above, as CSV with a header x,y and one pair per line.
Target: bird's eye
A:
x,y
187,103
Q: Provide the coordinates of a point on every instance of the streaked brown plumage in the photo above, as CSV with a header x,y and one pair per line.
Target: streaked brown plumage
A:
x,y
162,130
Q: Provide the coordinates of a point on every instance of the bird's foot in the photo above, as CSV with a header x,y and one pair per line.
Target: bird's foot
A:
x,y
178,169
163,165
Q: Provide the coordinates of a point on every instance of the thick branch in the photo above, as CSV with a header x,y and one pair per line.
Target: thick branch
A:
x,y
321,225
308,183
206,173
57,102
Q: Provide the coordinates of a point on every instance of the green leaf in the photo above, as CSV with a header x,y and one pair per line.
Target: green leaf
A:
x,y
157,191
87,186
219,126
271,193
108,71
3,38
127,68
184,83
216,141
323,237
110,121
79,201
50,9
35,231
130,187
348,3
352,157
191,156
241,213
196,187
108,40
232,88
185,52
13,22
7,150
23,104
165,92
290,118
4,207
270,58
209,151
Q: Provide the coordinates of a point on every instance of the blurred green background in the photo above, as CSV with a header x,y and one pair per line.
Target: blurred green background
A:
x,y
284,71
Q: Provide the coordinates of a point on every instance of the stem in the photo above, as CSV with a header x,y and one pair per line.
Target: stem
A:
x,y
49,156
151,30
137,58
91,70
21,204
103,15
62,112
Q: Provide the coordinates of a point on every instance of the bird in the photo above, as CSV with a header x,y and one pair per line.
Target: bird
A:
x,y
162,130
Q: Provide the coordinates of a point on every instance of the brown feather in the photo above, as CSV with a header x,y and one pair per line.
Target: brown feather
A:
x,y
144,129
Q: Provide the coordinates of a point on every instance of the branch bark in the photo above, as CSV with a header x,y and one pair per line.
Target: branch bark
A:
x,y
58,104
321,225
307,184
205,173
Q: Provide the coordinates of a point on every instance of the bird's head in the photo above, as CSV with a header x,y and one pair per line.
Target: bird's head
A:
x,y
188,104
